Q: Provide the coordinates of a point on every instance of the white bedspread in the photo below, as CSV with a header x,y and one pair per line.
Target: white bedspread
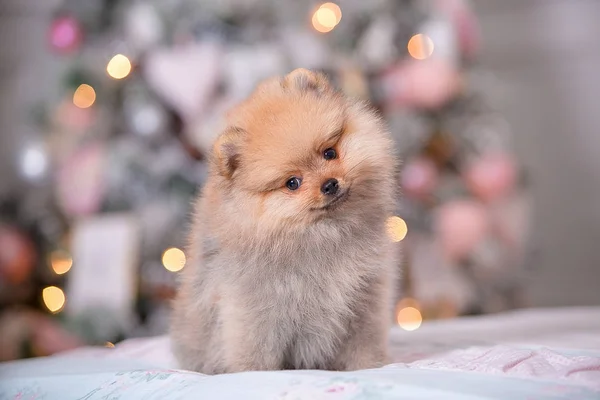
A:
x,y
529,354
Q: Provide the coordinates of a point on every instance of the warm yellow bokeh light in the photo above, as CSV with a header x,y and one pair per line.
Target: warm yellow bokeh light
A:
x,y
84,96
54,298
396,228
118,67
109,345
420,46
173,259
409,318
61,262
326,17
337,11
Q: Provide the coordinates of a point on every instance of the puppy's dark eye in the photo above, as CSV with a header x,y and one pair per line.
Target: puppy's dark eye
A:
x,y
293,183
330,154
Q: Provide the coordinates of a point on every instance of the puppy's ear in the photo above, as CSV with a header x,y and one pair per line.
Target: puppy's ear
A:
x,y
227,150
306,81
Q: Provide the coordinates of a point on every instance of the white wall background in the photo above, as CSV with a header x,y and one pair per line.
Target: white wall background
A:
x,y
546,51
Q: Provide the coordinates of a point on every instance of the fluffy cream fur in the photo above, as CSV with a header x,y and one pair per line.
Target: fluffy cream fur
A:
x,y
280,278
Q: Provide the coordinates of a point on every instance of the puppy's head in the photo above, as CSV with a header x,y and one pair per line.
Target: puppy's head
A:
x,y
297,151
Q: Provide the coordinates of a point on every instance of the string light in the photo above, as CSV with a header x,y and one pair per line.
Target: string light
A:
x,y
61,262
84,96
408,315
173,259
54,299
118,67
336,10
396,228
326,17
420,46
409,318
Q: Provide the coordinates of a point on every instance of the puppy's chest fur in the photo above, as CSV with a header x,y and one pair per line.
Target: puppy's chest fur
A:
x,y
314,291
309,295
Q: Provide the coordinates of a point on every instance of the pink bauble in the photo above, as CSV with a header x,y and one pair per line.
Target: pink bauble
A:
x,y
422,83
50,338
81,182
491,177
65,34
419,177
73,117
17,255
460,226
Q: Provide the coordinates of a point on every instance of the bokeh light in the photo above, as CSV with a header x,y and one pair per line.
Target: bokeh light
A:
x,y
61,262
326,17
173,259
420,46
118,67
34,162
337,11
54,299
109,345
396,228
409,318
84,96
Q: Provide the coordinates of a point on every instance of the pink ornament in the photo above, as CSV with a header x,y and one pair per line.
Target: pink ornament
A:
x,y
17,255
491,177
422,83
74,118
50,338
419,177
81,181
65,34
460,226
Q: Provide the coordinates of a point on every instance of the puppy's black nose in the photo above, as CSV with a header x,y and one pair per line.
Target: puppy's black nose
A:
x,y
330,187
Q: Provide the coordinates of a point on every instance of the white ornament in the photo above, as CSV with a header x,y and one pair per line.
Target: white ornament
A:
x,y
34,162
245,66
185,77
143,26
443,36
376,48
148,119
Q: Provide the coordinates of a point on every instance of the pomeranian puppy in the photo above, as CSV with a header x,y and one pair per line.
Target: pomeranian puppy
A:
x,y
289,263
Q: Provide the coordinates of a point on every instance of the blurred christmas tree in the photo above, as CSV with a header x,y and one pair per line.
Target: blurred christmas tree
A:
x,y
145,87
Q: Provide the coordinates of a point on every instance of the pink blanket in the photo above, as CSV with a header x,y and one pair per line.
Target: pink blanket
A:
x,y
555,345
519,362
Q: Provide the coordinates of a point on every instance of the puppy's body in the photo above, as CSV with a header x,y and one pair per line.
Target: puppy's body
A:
x,y
283,278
